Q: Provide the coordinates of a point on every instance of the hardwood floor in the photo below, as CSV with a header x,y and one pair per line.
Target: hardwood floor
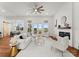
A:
x,y
74,51
4,47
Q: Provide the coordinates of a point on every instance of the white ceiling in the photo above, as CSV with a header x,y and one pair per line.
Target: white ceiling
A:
x,y
25,8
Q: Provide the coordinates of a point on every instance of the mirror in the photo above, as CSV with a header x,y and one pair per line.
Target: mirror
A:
x,y
63,20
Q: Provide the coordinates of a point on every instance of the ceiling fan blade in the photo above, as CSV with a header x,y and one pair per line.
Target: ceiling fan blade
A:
x,y
41,9
37,9
33,8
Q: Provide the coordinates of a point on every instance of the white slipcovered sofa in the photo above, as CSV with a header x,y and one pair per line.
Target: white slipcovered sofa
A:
x,y
21,43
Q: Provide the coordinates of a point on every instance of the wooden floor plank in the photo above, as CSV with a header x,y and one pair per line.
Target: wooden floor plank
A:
x,y
4,47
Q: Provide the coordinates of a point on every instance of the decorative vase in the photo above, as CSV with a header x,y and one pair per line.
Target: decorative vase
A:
x,y
13,51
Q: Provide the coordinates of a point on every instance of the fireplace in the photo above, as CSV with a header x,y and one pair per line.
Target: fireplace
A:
x,y
63,34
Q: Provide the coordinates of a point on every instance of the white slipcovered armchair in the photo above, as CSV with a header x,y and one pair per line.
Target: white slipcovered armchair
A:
x,y
61,44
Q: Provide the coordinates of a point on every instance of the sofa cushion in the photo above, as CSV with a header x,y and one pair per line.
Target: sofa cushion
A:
x,y
62,43
22,44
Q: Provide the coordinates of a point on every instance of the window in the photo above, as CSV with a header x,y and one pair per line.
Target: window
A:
x,y
40,27
19,25
34,25
45,26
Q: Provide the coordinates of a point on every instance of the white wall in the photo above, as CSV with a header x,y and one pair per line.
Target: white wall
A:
x,y
76,24
66,10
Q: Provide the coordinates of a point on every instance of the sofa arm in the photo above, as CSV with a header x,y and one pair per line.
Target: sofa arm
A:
x,y
23,43
62,43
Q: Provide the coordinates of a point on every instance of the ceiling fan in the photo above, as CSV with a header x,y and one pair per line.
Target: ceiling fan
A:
x,y
38,9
